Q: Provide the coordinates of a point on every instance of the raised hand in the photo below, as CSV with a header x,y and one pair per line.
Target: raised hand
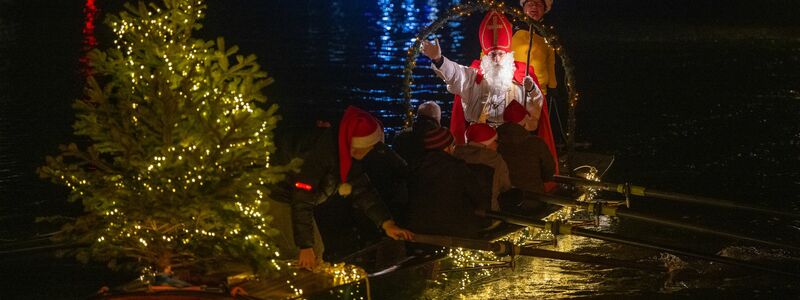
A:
x,y
432,50
528,83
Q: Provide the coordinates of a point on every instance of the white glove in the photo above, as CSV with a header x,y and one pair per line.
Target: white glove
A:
x,y
528,83
432,50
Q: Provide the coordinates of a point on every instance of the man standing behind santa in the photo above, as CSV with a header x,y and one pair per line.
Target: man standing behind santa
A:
x,y
534,48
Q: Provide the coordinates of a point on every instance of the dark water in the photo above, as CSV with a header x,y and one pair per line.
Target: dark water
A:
x,y
701,97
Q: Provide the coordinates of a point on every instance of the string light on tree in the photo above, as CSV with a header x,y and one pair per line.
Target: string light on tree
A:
x,y
180,137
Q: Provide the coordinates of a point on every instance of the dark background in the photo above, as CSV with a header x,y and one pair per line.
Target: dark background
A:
x,y
701,97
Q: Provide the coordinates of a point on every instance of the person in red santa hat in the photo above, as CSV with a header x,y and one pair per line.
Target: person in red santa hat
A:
x,y
481,149
531,161
489,85
329,169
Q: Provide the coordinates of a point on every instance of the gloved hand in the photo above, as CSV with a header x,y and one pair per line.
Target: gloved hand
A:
x,y
432,50
528,83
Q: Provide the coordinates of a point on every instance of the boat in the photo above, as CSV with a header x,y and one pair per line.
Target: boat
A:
x,y
399,270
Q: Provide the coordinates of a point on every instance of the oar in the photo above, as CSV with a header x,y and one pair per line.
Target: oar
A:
x,y
599,208
505,248
627,189
559,228
35,249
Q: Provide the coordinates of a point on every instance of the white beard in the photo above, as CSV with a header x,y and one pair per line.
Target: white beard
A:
x,y
499,76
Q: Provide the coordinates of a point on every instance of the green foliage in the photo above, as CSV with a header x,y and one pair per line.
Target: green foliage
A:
x,y
178,157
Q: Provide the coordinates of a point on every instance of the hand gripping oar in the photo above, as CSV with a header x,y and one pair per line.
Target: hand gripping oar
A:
x,y
627,189
505,248
527,66
602,209
558,228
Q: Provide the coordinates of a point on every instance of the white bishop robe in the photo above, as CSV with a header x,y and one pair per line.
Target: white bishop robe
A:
x,y
481,107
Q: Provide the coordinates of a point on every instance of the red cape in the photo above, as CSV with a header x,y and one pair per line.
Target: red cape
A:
x,y
458,124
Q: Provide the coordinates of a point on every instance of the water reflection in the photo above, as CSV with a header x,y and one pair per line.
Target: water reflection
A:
x,y
337,44
8,41
365,46
385,48
397,23
536,278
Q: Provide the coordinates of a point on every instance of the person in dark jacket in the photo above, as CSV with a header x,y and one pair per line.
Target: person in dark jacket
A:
x,y
481,149
293,142
443,193
388,173
329,169
409,142
529,160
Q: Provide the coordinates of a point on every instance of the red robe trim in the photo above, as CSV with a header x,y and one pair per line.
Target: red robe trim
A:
x,y
458,124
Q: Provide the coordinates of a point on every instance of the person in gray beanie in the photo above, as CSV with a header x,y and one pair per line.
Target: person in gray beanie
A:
x,y
409,142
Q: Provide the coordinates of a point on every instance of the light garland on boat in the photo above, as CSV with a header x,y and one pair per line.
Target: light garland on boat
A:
x,y
590,173
340,275
478,265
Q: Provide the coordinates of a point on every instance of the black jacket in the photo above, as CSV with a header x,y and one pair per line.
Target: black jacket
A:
x,y
388,173
443,196
409,143
320,170
529,161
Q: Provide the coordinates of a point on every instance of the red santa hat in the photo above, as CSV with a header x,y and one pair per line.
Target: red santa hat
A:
x,y
514,113
358,129
495,33
481,133
547,4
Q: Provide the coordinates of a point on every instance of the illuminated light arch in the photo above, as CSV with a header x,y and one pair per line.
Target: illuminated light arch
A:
x,y
467,9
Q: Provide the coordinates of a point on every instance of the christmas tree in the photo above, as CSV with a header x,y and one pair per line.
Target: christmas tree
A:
x,y
177,157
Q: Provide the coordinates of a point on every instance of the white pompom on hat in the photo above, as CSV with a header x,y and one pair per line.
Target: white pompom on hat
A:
x,y
547,4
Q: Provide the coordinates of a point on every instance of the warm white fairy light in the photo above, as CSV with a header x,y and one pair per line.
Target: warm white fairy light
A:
x,y
485,260
182,70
